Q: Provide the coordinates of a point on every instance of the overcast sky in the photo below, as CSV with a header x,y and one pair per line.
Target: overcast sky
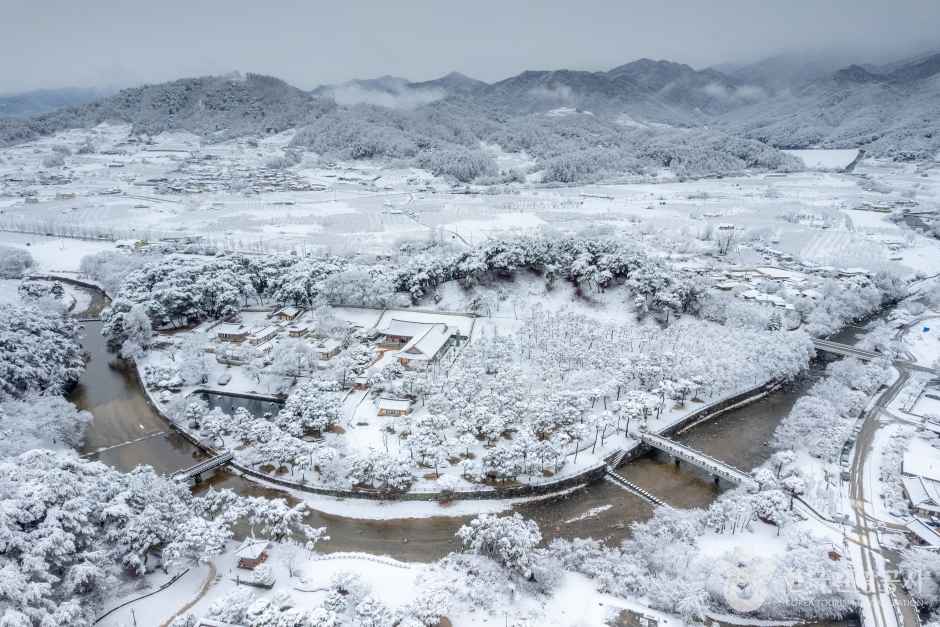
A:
x,y
55,43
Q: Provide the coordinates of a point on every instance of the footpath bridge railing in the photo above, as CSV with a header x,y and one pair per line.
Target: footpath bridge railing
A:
x,y
845,350
696,458
193,472
633,488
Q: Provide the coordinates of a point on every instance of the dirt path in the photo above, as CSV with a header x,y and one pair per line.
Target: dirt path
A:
x,y
210,579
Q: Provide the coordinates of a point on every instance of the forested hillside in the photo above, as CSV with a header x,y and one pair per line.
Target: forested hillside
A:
x,y
571,126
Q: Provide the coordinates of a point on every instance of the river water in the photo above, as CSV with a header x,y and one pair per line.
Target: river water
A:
x,y
601,510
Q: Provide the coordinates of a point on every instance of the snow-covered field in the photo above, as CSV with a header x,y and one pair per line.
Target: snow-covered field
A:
x,y
178,186
574,603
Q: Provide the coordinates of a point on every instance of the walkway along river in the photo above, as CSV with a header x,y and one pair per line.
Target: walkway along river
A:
x,y
128,432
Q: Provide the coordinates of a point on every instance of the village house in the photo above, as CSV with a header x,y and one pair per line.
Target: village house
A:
x,y
394,407
288,313
922,534
361,382
920,476
923,495
252,553
846,273
420,343
327,349
400,332
232,332
297,330
260,336
765,299
921,460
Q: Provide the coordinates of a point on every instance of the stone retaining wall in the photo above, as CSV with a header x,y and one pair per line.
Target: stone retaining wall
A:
x,y
589,475
703,414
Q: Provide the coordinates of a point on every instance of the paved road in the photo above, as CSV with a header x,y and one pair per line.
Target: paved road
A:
x,y
208,583
887,605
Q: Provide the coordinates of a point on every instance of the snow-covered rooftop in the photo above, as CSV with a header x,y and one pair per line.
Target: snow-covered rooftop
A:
x,y
252,549
923,493
427,345
394,404
328,345
922,460
264,331
287,311
406,328
924,531
229,328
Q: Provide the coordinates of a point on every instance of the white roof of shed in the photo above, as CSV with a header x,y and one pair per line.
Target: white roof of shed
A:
x,y
915,490
398,404
428,344
924,531
231,327
922,492
778,273
406,328
921,460
263,331
252,549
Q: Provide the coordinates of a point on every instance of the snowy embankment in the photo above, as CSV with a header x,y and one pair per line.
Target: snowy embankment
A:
x,y
55,254
309,581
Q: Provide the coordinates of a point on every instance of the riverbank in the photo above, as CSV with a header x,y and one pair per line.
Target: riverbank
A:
x,y
668,424
424,530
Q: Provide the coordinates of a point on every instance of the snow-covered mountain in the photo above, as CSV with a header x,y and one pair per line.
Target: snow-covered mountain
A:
x,y
786,71
453,84
226,106
646,90
399,93
707,91
596,92
787,102
894,114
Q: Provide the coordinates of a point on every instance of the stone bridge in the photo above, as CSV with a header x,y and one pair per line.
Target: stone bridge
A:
x,y
828,346
711,465
195,474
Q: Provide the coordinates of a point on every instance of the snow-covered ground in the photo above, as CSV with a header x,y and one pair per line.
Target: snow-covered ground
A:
x,y
177,185
923,341
574,602
54,254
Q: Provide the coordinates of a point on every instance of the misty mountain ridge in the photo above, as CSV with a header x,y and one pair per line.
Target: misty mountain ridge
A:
x,y
399,93
893,110
212,106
